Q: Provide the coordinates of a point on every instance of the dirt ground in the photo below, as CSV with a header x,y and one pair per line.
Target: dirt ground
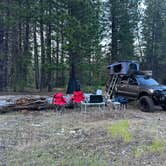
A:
x,y
76,138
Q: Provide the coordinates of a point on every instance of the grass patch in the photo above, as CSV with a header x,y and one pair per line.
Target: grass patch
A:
x,y
82,160
121,129
55,156
141,149
157,146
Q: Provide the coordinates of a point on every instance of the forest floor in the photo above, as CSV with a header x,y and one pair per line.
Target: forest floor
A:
x,y
74,138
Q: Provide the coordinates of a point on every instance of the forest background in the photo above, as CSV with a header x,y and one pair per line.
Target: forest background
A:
x,y
43,42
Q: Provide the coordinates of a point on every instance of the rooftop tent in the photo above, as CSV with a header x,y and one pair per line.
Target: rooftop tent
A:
x,y
123,67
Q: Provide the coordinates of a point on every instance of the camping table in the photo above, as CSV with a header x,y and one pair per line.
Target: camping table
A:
x,y
100,105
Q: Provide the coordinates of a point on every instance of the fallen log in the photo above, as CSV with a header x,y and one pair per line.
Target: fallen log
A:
x,y
18,103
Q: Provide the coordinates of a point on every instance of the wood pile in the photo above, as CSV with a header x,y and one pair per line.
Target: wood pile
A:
x,y
24,103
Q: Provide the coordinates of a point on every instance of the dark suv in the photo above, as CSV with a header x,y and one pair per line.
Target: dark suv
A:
x,y
144,89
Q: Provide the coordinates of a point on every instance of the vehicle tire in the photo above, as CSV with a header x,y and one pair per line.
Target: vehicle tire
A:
x,y
164,107
146,104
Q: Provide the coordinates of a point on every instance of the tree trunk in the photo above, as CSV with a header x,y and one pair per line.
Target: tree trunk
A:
x,y
43,74
62,57
6,56
57,60
26,54
36,58
114,44
49,59
7,68
14,60
3,59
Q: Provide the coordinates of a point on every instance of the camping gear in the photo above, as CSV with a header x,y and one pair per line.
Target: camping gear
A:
x,y
113,104
78,97
122,100
112,85
117,71
123,67
99,92
59,101
94,100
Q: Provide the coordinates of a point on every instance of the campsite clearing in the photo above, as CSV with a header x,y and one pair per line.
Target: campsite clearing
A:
x,y
128,137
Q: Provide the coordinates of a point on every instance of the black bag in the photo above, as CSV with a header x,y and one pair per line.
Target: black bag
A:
x,y
96,98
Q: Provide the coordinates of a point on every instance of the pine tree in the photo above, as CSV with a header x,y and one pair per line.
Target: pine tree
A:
x,y
153,31
123,20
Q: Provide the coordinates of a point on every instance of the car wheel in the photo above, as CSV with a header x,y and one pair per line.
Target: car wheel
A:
x,y
146,104
164,107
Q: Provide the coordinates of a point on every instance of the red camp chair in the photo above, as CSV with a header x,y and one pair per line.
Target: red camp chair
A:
x,y
59,101
78,97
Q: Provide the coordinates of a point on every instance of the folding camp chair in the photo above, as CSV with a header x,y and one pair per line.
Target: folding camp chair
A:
x,y
78,97
59,101
122,100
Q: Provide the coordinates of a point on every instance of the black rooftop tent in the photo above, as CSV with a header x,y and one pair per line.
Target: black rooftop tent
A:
x,y
123,67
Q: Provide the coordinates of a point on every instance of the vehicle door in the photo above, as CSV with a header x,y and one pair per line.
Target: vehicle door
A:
x,y
122,87
132,88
